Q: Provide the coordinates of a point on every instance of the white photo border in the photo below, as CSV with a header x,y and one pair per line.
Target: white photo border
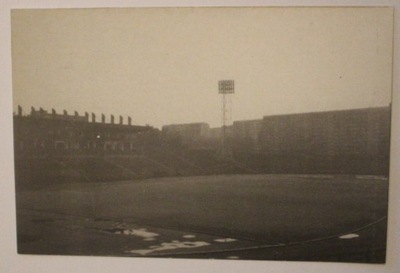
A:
x,y
12,262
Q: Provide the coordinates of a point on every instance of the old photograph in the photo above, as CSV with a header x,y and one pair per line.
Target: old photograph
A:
x,y
205,133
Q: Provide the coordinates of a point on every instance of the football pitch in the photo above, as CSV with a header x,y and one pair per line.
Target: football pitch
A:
x,y
258,217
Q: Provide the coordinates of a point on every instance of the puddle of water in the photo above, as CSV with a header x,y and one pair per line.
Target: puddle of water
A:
x,y
120,228
141,232
168,246
349,236
225,240
189,236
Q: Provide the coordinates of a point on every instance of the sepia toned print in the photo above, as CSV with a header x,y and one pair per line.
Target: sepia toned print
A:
x,y
225,133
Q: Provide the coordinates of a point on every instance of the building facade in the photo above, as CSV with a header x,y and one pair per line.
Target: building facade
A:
x,y
345,141
43,133
189,135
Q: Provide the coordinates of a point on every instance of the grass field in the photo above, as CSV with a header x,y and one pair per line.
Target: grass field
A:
x,y
281,217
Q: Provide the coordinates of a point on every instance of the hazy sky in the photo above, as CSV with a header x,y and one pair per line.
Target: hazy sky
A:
x,y
162,66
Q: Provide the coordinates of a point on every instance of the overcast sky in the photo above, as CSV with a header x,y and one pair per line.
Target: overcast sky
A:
x,y
162,66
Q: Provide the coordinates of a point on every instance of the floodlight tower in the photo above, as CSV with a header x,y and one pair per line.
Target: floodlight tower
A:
x,y
226,88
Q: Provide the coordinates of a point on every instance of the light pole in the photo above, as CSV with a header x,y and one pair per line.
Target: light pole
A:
x,y
226,88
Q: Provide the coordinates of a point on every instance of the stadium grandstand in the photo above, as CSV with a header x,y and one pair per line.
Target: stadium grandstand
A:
x,y
52,147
